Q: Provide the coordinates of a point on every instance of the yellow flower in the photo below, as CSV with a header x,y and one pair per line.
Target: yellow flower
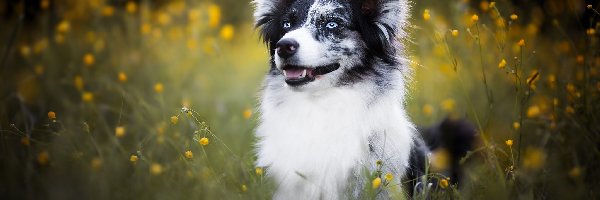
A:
x,y
39,69
156,169
376,183
516,125
448,105
389,177
509,143
43,157
247,113
474,18
521,42
444,183
214,15
579,59
122,77
158,87
108,11
484,5
87,96
570,110
88,59
500,23
514,17
575,172
440,159
454,32
133,158
244,188
492,4
204,141
51,115
146,28
120,131
131,7
25,50
174,119
534,158
96,163
189,154
44,4
590,31
571,88
192,44
25,141
194,15
259,171
426,15
63,27
533,111
502,64
427,109
227,32
78,82
163,18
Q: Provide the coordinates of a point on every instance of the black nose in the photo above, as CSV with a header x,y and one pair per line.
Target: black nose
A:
x,y
287,47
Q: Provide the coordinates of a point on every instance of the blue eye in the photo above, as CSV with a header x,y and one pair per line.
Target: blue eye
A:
x,y
331,25
287,25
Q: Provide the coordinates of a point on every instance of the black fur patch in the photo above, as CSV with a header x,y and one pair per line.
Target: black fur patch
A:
x,y
270,24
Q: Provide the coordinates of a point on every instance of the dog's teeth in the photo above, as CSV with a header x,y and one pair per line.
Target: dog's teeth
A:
x,y
303,74
284,73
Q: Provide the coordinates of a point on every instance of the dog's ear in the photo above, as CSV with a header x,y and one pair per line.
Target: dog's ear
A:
x,y
381,23
266,16
390,16
262,8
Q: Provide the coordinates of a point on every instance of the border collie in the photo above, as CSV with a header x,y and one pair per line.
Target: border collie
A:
x,y
333,102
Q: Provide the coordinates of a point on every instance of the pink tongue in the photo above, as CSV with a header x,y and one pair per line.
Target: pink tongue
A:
x,y
293,73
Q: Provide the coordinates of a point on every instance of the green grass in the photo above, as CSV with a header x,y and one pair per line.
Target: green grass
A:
x,y
73,59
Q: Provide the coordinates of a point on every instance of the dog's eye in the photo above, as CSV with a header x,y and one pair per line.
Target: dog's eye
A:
x,y
331,25
287,25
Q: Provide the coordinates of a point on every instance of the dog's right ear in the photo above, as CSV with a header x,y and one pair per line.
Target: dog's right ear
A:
x,y
267,14
262,8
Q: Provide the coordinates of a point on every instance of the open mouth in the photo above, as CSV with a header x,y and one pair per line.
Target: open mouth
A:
x,y
300,75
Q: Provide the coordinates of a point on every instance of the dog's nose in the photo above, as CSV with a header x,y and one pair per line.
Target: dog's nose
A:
x,y
287,48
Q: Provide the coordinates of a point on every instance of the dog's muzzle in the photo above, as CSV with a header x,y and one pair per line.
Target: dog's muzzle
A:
x,y
296,75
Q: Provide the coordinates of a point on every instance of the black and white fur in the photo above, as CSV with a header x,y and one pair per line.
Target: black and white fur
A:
x,y
334,99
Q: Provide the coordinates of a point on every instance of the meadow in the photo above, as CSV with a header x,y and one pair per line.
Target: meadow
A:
x,y
146,99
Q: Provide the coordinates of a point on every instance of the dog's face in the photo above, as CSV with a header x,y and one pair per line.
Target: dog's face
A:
x,y
321,43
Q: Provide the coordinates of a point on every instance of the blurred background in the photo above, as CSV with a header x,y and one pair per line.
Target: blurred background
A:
x,y
155,99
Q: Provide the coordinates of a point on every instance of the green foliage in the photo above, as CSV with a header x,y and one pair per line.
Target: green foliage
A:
x,y
155,100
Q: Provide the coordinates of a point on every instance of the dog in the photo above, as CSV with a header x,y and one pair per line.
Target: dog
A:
x,y
333,101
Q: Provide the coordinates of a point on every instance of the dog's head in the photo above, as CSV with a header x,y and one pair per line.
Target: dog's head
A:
x,y
322,43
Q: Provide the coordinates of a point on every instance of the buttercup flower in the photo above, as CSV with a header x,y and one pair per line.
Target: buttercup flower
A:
x,y
189,154
376,183
502,64
133,158
120,131
509,143
444,183
204,141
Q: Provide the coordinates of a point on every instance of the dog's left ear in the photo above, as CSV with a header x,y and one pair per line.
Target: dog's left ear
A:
x,y
390,16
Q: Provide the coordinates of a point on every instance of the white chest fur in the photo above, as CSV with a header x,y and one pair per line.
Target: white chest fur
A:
x,y
313,143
